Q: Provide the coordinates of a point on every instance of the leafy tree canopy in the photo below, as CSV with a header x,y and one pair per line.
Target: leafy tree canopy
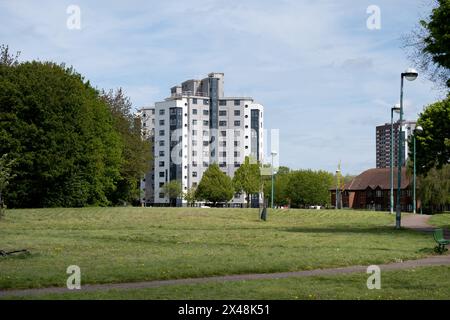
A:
x,y
433,143
215,186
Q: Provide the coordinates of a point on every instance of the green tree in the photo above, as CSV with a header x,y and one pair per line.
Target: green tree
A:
x,y
172,190
5,176
215,186
281,182
430,45
433,143
434,189
7,59
247,178
61,134
136,151
307,187
190,196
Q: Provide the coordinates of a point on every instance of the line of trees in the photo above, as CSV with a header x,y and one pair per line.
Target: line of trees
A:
x,y
296,188
71,144
429,50
433,157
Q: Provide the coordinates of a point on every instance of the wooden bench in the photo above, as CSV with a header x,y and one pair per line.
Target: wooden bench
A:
x,y
438,236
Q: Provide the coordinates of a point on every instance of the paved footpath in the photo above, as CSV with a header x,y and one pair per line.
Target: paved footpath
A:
x,y
415,222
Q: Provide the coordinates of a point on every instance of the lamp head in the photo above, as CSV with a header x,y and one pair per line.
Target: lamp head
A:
x,y
410,74
419,129
396,108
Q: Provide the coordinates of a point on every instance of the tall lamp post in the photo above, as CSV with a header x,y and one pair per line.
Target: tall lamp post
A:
x,y
396,108
410,75
273,153
338,171
418,129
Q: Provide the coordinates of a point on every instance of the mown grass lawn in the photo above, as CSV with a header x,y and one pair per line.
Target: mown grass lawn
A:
x,y
441,220
418,283
133,244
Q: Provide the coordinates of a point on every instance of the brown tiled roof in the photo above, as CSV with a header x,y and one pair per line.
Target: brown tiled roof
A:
x,y
377,177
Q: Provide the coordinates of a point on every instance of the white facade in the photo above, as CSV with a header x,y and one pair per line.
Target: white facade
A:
x,y
193,129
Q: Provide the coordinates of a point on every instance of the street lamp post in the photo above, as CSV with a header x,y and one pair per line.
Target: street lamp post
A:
x,y
396,108
273,153
337,188
410,75
418,129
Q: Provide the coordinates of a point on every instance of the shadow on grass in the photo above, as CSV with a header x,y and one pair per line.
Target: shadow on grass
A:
x,y
386,230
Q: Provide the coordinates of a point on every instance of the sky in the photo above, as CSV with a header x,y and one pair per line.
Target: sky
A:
x,y
325,79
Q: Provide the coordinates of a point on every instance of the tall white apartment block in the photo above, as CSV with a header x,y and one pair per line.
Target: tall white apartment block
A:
x,y
197,126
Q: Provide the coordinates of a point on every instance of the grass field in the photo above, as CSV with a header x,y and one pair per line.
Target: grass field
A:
x,y
134,244
441,220
419,283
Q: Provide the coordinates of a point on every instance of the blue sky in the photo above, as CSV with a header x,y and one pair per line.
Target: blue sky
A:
x,y
324,78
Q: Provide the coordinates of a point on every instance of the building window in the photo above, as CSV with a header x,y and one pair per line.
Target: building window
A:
x,y
205,101
161,153
223,133
194,142
194,173
161,163
194,163
194,122
162,112
161,174
222,112
194,111
223,154
194,132
222,102
222,123
161,143
237,123
237,112
205,143
194,153
161,195
161,184
161,132
205,133
223,143
236,143
194,101
205,164
222,164
236,154
379,193
237,102
205,112
205,122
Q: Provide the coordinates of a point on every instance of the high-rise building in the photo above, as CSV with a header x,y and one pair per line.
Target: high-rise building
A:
x,y
383,143
197,126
